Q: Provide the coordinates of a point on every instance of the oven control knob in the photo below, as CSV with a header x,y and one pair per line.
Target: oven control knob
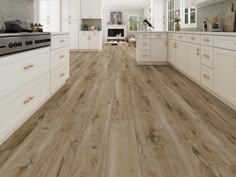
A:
x,y
15,44
11,45
19,44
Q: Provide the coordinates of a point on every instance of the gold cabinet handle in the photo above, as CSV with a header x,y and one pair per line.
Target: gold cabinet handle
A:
x,y
28,100
28,67
206,76
206,40
63,74
193,38
61,41
198,52
62,56
207,56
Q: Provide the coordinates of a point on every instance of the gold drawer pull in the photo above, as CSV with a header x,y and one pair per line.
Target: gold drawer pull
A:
x,y
62,56
63,74
61,41
144,44
207,56
145,56
193,38
28,67
206,40
206,76
28,100
198,52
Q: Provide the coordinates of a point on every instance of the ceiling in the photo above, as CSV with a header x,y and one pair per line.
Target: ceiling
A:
x,y
124,3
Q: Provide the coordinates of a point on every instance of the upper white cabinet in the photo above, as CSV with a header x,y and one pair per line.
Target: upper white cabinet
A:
x,y
49,15
91,9
70,20
194,61
189,3
224,74
202,3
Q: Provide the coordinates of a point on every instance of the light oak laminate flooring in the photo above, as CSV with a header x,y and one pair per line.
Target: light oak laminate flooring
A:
x,y
114,118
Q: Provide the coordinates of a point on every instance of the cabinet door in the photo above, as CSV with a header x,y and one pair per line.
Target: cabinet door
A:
x,y
85,8
54,9
43,10
74,34
84,42
171,52
224,74
54,26
96,9
159,50
181,55
65,9
194,61
65,26
95,41
75,9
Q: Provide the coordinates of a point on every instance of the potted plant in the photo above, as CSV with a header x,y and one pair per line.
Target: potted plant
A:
x,y
177,25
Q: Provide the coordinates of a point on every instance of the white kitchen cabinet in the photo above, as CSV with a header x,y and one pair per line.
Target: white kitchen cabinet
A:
x,y
90,40
49,15
70,21
181,55
159,50
224,74
171,52
189,3
91,9
194,61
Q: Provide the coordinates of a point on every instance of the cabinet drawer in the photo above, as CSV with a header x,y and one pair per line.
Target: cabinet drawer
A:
x,y
194,38
58,77
159,35
144,44
207,75
144,35
59,41
171,36
207,56
16,108
207,40
181,37
225,42
95,33
59,57
144,55
25,68
84,33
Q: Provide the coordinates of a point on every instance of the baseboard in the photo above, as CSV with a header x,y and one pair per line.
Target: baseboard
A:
x,y
153,63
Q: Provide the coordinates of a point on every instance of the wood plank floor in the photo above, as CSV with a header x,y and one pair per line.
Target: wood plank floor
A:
x,y
114,118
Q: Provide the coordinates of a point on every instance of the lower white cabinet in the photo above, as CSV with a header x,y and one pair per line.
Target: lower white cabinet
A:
x,y
194,61
171,51
90,40
60,62
181,55
159,50
224,74
152,48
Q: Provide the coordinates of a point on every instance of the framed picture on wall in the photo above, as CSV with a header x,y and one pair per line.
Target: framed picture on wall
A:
x,y
116,18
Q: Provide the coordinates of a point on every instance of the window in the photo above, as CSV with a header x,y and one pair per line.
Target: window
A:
x,y
171,14
189,16
133,24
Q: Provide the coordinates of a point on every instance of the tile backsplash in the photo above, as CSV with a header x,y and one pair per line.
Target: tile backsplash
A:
x,y
218,9
17,10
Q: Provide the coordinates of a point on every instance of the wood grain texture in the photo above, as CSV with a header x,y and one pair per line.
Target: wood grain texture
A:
x,y
114,118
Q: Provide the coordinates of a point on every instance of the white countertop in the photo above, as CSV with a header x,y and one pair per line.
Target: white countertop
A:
x,y
193,32
59,33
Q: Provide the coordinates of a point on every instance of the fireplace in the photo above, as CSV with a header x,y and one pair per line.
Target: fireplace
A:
x,y
116,32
